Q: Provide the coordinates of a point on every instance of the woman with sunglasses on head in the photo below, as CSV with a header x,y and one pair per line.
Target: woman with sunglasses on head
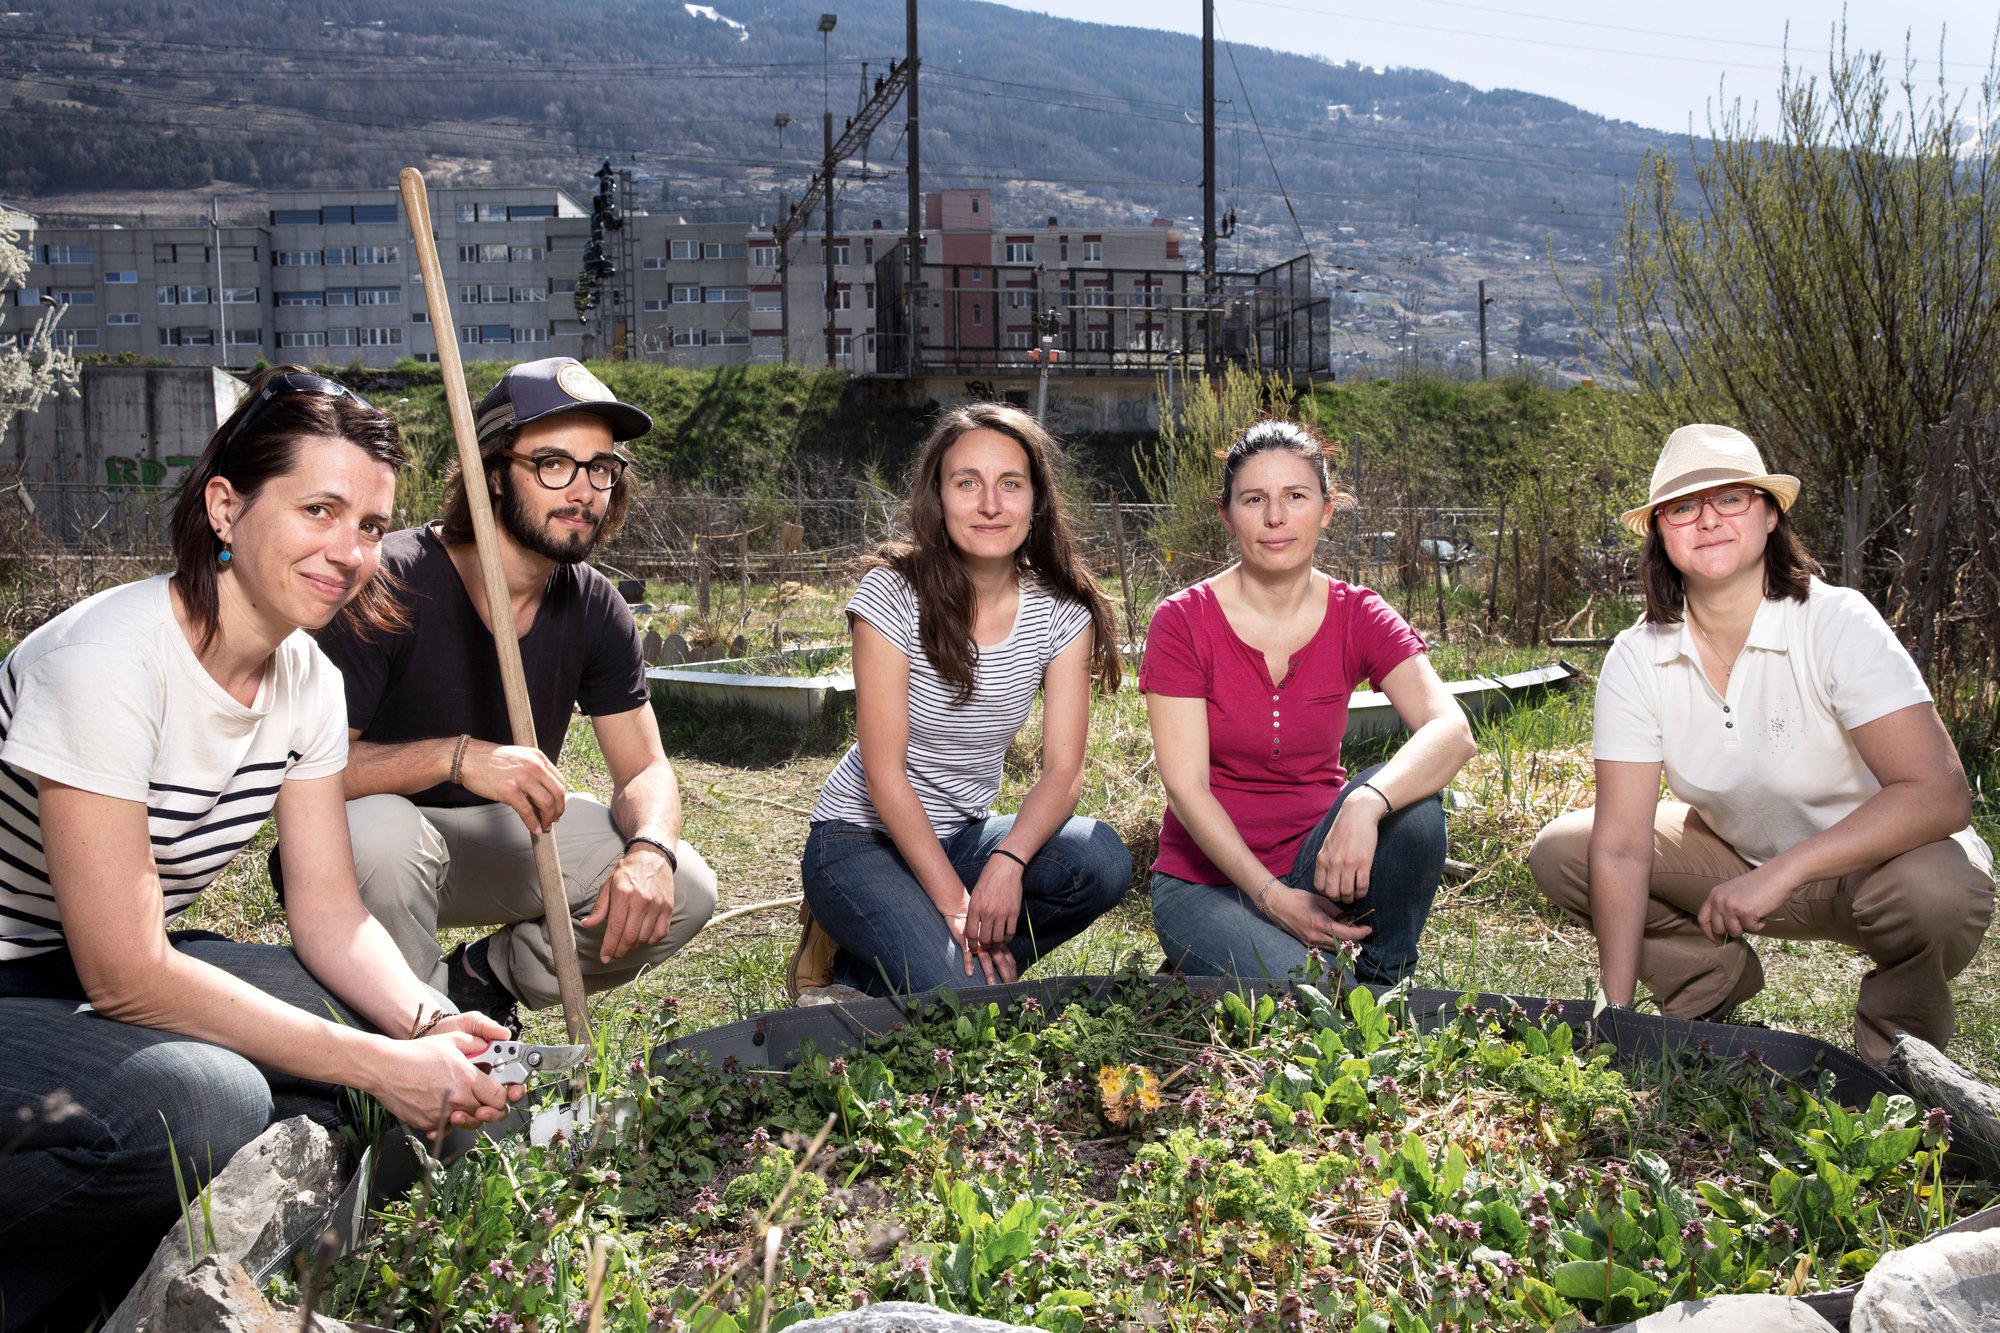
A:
x,y
1269,847
1814,792
906,866
145,734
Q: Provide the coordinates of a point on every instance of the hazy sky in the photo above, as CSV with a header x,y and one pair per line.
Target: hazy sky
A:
x,y
1655,64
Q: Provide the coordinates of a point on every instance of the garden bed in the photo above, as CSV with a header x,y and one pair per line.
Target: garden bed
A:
x,y
1083,1153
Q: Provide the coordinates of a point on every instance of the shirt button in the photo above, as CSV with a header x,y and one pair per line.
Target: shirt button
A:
x,y
1274,712
1274,698
1729,724
1274,726
1725,708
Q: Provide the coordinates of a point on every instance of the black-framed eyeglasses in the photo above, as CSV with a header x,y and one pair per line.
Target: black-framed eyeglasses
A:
x,y
1727,504
294,383
557,470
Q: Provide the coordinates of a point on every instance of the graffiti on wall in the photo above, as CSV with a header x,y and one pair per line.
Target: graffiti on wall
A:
x,y
124,473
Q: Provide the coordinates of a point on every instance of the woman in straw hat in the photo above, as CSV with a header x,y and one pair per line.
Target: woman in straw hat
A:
x,y
1814,792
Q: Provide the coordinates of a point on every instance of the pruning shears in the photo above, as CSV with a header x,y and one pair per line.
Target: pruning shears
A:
x,y
516,1061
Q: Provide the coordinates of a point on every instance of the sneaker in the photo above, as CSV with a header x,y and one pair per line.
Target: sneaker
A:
x,y
836,993
471,985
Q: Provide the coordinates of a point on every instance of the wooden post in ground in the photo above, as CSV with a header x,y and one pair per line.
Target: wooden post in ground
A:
x,y
1493,583
1124,571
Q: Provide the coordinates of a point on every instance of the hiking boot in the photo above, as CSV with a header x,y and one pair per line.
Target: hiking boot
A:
x,y
472,986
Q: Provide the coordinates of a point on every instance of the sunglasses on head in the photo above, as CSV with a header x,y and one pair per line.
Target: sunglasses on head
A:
x,y
286,385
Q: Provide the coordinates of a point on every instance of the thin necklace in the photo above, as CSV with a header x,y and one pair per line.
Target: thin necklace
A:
x,y
1728,666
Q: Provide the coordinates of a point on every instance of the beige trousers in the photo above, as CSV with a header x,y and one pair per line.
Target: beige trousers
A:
x,y
1919,917
423,868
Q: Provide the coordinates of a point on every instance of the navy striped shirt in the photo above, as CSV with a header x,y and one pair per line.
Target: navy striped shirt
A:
x,y
955,751
110,698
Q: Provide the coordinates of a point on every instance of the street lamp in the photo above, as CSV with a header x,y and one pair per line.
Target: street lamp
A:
x,y
826,25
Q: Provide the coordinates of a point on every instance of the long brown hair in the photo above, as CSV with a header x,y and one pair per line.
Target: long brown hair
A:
x,y
931,566
455,521
272,429
1789,568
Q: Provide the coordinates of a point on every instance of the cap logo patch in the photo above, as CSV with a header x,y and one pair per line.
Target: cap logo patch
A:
x,y
583,386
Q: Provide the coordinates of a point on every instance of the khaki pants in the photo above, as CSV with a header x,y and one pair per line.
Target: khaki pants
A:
x,y
1919,917
423,868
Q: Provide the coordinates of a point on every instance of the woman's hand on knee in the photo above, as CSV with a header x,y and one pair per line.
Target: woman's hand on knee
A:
x,y
994,912
1307,917
1743,905
1341,869
430,1082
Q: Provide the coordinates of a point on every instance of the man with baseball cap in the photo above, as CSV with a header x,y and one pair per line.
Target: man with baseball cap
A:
x,y
439,804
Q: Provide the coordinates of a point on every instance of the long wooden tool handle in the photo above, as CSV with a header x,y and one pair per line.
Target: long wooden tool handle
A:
x,y
499,603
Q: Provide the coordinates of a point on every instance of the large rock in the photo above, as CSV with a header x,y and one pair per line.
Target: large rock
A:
x,y
218,1297
270,1190
1948,1284
904,1317
1735,1314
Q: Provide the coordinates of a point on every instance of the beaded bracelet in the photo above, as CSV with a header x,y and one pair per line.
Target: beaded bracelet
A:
x,y
458,760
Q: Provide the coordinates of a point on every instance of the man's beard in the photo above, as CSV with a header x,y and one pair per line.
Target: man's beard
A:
x,y
564,549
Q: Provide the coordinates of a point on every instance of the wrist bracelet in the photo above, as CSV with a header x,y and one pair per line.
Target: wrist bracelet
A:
x,y
1264,894
1388,808
673,862
458,759
1002,851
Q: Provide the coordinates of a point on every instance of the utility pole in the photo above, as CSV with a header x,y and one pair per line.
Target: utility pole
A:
x,y
1483,327
779,121
1208,284
826,23
913,243
215,234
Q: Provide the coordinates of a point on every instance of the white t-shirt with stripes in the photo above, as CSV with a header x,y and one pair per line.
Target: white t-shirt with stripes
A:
x,y
109,697
955,752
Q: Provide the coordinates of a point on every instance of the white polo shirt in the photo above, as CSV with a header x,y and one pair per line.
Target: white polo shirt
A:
x,y
1770,763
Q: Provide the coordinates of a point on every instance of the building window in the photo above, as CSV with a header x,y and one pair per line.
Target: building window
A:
x,y
340,337
468,212
725,295
843,299
527,294
124,275
840,253
246,337
122,317
299,338
1020,300
562,286
736,337
339,254
68,254
420,317
1019,339
1020,252
299,258
841,342
684,250
239,254
868,293
975,205
375,213
1096,340
340,296
687,296
378,254
378,296
687,337
496,333
978,274
180,296
73,339
978,316
1097,296
868,250
468,293
74,296
538,334
1062,250
655,304
725,249
517,212
493,294
342,215
468,333
526,254
381,337
1093,252
239,296
295,217
288,299
652,263
768,303
764,256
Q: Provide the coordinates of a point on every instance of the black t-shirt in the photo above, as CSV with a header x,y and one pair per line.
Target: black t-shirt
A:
x,y
441,677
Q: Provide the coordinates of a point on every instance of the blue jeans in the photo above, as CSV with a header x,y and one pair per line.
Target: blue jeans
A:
x,y
1215,930
892,939
85,1196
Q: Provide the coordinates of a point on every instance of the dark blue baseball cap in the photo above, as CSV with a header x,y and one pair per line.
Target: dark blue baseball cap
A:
x,y
537,389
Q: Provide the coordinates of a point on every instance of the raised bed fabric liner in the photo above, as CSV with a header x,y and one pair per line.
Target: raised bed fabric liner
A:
x,y
772,1040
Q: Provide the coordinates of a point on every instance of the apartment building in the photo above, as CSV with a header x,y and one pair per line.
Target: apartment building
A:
x,y
330,276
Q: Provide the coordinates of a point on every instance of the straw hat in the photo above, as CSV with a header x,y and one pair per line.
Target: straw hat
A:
x,y
1698,458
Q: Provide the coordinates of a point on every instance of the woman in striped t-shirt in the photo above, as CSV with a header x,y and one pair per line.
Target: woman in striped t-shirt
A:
x,y
145,735
907,868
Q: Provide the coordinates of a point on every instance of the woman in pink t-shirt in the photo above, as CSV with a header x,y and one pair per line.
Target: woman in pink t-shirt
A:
x,y
1247,677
